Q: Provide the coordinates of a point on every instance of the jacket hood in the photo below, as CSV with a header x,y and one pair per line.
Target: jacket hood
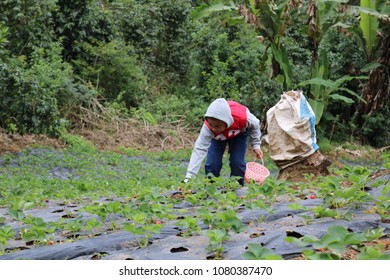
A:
x,y
220,109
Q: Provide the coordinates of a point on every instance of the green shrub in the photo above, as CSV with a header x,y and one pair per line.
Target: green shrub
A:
x,y
113,71
29,91
376,130
30,24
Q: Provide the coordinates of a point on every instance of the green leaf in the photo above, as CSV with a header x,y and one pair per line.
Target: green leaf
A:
x,y
205,10
370,66
6,232
353,94
309,239
346,193
338,231
216,236
16,214
295,206
354,238
341,98
337,247
318,108
281,56
153,228
258,252
319,81
132,228
372,253
369,24
296,241
322,256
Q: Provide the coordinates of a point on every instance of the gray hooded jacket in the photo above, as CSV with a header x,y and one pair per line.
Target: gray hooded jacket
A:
x,y
220,109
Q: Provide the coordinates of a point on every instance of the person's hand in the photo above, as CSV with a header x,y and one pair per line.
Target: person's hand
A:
x,y
259,153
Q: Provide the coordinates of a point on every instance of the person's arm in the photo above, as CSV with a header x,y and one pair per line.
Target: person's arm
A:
x,y
253,128
199,152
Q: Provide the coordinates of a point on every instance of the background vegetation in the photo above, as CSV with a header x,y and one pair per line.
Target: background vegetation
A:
x,y
164,61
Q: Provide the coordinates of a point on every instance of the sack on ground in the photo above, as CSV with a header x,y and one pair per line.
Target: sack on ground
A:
x,y
291,130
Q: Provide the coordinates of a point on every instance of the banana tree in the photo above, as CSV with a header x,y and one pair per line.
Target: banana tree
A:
x,y
373,36
271,21
369,25
322,16
329,91
378,86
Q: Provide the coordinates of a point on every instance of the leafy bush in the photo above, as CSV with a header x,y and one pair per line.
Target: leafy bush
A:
x,y
345,56
160,32
3,39
376,130
230,64
176,110
113,71
78,22
30,91
30,24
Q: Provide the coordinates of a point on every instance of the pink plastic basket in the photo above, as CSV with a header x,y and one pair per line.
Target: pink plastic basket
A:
x,y
256,172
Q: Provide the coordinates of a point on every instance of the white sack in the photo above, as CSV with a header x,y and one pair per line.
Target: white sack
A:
x,y
291,130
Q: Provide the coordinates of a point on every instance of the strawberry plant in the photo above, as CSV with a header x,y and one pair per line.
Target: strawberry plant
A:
x,y
373,253
34,234
331,245
142,233
382,207
228,220
6,233
298,206
206,215
18,207
140,228
38,231
93,224
386,161
189,225
270,189
217,236
321,212
74,226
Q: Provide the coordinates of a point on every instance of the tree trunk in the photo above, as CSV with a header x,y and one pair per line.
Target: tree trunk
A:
x,y
376,91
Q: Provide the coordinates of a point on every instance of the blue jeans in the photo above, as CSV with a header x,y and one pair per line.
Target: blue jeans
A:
x,y
237,149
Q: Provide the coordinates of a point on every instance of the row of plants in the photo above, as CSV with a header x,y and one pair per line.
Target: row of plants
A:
x,y
134,193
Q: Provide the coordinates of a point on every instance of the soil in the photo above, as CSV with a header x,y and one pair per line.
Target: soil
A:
x,y
137,137
14,143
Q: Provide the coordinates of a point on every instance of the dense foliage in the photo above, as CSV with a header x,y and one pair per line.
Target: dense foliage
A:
x,y
168,59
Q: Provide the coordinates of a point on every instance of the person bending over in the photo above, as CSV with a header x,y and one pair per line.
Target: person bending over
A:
x,y
225,123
